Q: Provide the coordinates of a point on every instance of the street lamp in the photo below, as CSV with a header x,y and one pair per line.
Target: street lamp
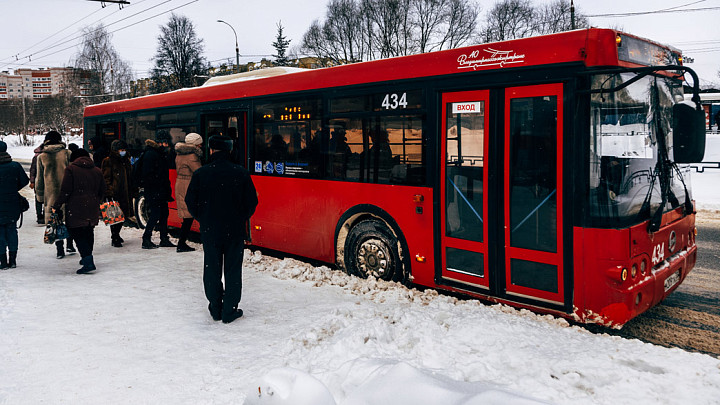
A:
x,y
237,50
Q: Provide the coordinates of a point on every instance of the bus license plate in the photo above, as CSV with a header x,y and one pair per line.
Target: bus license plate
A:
x,y
672,280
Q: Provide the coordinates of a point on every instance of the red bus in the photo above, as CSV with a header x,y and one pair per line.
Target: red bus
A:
x,y
538,172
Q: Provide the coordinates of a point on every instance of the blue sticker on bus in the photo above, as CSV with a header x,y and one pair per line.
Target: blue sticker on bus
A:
x,y
280,167
258,166
268,167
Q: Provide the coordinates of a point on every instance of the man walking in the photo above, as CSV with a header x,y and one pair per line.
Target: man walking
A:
x,y
221,197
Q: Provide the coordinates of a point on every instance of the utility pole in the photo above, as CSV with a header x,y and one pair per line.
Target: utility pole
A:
x,y
22,95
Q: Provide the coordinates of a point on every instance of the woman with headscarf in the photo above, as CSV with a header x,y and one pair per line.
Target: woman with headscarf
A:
x,y
81,192
116,170
187,160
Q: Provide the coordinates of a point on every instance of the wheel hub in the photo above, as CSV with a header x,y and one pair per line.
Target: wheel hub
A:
x,y
373,258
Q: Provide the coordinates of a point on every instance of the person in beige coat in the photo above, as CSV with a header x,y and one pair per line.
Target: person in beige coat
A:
x,y
51,164
187,160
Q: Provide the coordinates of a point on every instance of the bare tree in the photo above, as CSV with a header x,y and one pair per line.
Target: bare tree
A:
x,y
356,30
112,75
179,58
60,112
555,17
460,24
509,19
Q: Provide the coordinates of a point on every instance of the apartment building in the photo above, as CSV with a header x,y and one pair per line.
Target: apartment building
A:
x,y
35,83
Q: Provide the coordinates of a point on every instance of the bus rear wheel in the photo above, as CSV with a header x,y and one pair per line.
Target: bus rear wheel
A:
x,y
141,211
371,249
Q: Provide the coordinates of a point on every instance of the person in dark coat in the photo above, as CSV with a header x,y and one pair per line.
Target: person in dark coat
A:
x,y
12,180
82,190
33,174
221,197
155,179
117,170
98,149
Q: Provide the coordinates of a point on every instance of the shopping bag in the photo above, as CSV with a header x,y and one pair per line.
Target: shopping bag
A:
x,y
55,230
111,213
49,235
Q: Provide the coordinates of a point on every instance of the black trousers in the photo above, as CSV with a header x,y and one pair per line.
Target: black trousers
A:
x,y
223,258
39,211
84,239
157,220
185,229
115,231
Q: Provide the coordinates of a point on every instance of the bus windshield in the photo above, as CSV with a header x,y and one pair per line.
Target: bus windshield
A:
x,y
624,148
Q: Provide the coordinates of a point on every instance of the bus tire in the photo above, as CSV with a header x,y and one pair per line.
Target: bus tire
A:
x,y
141,211
371,250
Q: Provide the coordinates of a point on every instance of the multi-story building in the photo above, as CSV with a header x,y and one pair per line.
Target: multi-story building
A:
x,y
36,83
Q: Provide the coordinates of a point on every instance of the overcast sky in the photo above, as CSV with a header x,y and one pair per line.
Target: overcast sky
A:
x,y
48,30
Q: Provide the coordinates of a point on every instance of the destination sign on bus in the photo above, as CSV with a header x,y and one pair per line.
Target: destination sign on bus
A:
x,y
470,107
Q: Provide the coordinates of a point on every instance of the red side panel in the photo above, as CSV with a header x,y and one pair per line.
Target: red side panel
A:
x,y
299,216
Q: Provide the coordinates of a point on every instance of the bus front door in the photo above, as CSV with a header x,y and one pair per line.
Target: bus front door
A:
x,y
464,186
533,190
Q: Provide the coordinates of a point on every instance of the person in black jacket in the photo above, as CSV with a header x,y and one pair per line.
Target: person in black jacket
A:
x,y
221,197
155,180
12,180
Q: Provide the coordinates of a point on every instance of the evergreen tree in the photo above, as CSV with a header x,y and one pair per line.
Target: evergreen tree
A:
x,y
281,45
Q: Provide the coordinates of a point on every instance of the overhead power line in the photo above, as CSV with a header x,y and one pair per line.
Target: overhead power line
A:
x,y
665,11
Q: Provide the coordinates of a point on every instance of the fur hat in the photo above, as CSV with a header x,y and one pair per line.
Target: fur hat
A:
x,y
53,137
78,153
193,139
118,144
220,142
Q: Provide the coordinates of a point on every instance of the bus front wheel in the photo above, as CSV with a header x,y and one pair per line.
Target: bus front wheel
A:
x,y
371,249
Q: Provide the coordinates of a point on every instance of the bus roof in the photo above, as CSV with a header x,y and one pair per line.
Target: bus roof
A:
x,y
592,46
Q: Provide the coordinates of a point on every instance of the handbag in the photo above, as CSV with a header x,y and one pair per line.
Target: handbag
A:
x,y
24,204
111,212
55,230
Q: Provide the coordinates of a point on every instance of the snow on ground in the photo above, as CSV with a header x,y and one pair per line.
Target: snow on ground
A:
x,y
138,331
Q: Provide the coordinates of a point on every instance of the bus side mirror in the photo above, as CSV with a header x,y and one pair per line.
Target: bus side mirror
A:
x,y
688,133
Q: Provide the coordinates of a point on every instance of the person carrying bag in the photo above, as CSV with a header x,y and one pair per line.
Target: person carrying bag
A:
x,y
12,180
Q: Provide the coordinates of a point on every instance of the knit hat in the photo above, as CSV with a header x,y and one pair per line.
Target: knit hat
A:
x,y
3,146
118,144
193,139
78,153
220,142
53,137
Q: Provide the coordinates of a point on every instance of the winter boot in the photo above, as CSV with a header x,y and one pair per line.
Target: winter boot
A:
x,y
147,244
165,242
88,265
183,247
4,262
116,242
215,311
60,249
70,248
234,314
13,260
